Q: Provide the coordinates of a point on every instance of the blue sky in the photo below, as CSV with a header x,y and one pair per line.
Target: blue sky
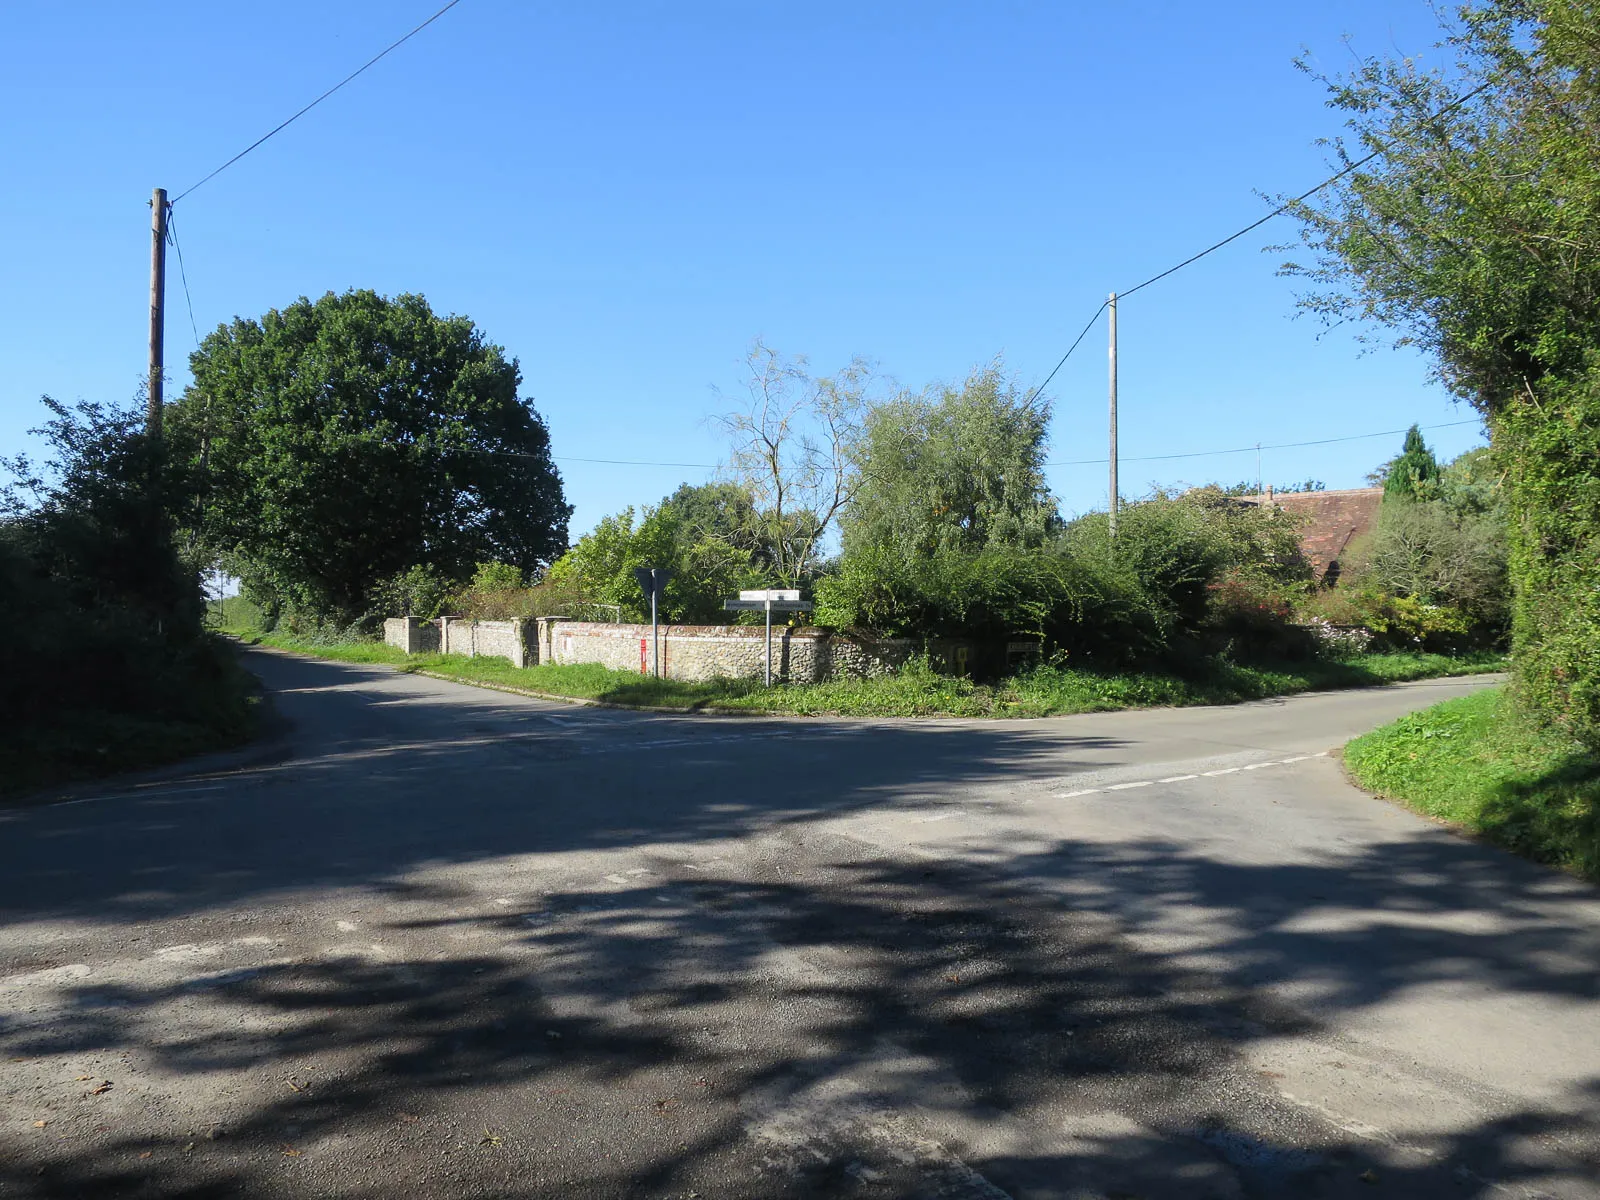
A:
x,y
625,194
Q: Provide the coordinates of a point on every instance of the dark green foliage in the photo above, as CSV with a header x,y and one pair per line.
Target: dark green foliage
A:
x,y
1177,549
1414,475
1551,446
107,664
340,442
992,593
710,562
1477,236
1152,595
415,592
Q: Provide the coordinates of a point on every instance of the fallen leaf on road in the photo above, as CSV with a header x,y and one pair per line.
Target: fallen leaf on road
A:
x,y
147,1154
489,1139
290,1152
101,1090
82,1078
406,1118
40,1124
297,1087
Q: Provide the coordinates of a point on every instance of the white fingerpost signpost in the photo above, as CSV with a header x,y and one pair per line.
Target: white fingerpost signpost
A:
x,y
770,600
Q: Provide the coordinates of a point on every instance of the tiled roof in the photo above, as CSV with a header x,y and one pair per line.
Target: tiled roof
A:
x,y
1332,520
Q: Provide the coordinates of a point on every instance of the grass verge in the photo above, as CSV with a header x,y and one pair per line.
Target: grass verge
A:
x,y
916,691
1477,764
220,709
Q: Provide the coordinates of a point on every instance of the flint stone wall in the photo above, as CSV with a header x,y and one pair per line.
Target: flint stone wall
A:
x,y
688,652
696,652
412,634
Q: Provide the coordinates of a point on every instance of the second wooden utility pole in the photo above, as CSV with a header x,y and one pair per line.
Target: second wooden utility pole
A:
x,y
1111,305
158,299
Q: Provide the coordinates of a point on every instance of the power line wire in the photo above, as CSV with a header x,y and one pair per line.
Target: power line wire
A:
x,y
183,274
613,462
1354,437
1077,462
1235,236
284,125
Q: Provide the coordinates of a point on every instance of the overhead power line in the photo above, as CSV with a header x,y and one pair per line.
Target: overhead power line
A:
x,y
1354,437
285,124
1237,234
1076,462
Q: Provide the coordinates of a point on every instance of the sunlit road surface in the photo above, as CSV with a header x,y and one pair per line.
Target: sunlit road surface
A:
x,y
449,942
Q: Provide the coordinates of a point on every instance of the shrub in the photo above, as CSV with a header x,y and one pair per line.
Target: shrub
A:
x,y
992,593
1423,550
1550,441
1395,622
1251,616
1338,642
419,591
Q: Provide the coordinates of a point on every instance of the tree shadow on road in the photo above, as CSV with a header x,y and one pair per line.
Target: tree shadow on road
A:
x,y
881,1029
805,1018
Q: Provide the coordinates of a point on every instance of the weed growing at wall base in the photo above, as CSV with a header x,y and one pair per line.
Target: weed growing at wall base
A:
x,y
916,690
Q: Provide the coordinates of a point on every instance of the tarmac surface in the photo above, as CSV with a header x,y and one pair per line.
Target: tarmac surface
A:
x,y
447,942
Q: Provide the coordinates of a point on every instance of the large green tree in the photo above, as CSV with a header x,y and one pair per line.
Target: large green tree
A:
x,y
953,469
337,442
1475,234
696,533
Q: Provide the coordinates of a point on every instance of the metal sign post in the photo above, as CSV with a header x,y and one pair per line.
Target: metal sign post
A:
x,y
769,600
653,580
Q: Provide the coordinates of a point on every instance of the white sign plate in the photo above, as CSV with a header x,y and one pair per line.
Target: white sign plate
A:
x,y
771,594
759,605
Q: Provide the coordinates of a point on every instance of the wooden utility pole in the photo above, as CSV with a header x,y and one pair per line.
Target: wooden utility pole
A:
x,y
1112,307
158,297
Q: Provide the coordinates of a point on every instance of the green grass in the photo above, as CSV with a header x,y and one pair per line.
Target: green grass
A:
x,y
1476,763
915,691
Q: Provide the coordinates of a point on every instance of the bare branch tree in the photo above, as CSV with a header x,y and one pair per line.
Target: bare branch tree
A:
x,y
792,438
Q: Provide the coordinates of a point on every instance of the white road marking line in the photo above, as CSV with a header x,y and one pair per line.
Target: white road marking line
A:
x,y
1139,783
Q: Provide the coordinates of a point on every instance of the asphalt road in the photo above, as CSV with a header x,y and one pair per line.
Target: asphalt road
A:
x,y
448,942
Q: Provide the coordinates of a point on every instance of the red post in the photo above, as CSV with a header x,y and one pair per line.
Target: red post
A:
x,y
644,656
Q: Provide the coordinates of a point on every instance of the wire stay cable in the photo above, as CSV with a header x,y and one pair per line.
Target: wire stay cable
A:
x,y
1034,395
385,52
183,274
1354,437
